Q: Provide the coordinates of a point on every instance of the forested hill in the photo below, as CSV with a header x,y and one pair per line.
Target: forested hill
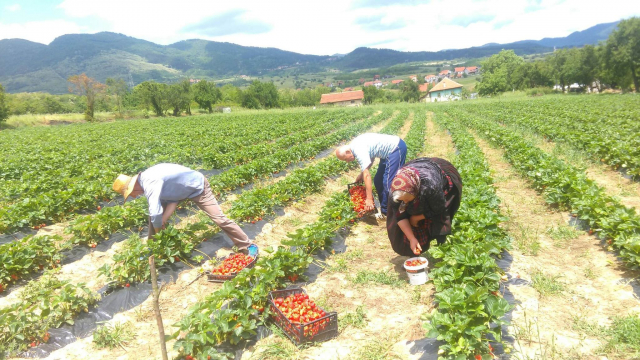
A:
x,y
30,66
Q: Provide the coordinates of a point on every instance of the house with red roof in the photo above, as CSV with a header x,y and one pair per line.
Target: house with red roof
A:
x,y
368,83
445,73
459,71
471,70
430,78
347,98
396,82
414,78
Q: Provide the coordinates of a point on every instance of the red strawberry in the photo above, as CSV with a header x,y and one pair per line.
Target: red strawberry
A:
x,y
127,285
99,207
14,276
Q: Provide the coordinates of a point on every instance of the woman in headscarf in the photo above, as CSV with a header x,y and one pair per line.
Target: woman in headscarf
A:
x,y
426,195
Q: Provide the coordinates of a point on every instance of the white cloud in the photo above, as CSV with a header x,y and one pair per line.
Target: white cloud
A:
x,y
12,8
339,26
39,31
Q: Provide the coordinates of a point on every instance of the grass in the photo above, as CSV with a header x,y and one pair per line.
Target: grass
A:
x,y
589,273
621,338
526,239
357,319
366,277
279,347
547,285
379,349
561,235
113,335
340,261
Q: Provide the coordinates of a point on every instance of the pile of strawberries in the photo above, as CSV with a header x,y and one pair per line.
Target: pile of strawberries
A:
x,y
233,264
300,310
416,262
358,197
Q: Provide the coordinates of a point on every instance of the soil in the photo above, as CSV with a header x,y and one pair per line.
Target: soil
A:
x,y
594,284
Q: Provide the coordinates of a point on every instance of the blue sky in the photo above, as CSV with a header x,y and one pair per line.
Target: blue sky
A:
x,y
313,27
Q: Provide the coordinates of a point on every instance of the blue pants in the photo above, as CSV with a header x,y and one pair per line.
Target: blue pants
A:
x,y
387,170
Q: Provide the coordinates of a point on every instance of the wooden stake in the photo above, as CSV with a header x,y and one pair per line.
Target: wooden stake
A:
x,y
156,306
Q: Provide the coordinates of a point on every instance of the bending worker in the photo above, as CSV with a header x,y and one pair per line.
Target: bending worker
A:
x,y
392,152
164,185
426,194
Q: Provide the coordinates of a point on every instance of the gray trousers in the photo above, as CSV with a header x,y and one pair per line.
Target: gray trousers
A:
x,y
208,203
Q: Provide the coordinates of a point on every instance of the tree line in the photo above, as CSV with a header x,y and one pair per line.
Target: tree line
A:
x,y
614,64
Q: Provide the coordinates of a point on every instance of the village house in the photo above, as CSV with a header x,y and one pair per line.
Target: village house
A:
x,y
347,98
194,81
459,71
471,70
396,82
445,73
445,90
430,78
376,77
413,78
368,83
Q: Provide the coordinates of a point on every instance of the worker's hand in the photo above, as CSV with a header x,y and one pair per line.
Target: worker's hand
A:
x,y
368,205
415,219
415,246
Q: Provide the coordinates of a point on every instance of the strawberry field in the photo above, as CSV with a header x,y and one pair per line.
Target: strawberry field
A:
x,y
63,261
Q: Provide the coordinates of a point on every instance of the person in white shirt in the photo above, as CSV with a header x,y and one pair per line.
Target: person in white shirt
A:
x,y
164,185
392,152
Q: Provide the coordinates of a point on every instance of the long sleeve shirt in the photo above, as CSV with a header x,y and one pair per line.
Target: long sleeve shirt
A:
x,y
167,183
367,147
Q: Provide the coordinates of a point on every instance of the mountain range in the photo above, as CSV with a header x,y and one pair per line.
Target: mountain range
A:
x,y
27,66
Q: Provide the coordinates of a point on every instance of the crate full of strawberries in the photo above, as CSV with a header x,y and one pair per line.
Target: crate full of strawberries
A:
x,y
230,267
358,194
300,318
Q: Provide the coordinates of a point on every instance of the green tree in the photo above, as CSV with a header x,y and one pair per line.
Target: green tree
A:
x,y
117,88
4,109
410,91
623,48
206,94
559,68
89,88
260,95
153,94
180,96
499,73
371,93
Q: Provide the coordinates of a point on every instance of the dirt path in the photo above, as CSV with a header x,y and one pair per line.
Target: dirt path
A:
x,y
573,279
438,142
614,183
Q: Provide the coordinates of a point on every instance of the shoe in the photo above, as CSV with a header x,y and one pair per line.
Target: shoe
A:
x,y
253,250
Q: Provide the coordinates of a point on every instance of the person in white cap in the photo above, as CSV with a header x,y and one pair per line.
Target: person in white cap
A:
x,y
164,185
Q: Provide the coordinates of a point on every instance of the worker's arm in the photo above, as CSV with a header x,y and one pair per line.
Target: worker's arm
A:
x,y
168,211
413,241
368,203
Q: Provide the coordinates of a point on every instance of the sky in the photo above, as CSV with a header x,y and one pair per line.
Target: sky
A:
x,y
314,27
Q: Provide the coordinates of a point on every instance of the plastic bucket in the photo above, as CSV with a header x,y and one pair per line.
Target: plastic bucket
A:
x,y
417,274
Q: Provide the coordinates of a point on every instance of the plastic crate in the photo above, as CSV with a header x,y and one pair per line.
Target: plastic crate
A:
x,y
222,278
363,213
326,326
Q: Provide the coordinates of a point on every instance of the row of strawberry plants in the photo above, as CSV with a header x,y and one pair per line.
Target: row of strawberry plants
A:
x,y
26,256
415,137
43,200
229,314
567,187
603,138
44,304
96,227
467,278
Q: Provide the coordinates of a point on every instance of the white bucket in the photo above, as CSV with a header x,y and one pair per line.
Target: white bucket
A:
x,y
417,274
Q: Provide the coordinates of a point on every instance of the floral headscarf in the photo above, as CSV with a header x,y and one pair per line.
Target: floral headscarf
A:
x,y
407,180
